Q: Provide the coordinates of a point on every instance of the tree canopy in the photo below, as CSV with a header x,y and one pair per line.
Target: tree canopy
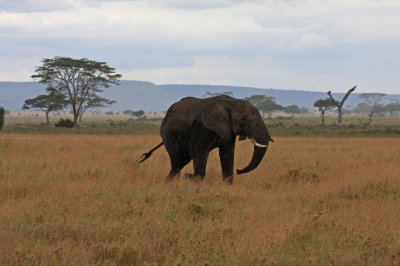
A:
x,y
373,101
392,108
78,80
372,98
292,109
265,104
138,113
46,103
323,105
212,94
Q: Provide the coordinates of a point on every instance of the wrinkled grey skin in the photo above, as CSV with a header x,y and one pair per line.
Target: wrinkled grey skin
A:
x,y
193,127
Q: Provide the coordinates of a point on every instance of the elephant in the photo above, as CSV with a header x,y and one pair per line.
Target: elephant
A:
x,y
192,127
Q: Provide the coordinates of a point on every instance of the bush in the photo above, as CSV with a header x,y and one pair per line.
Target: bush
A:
x,y
65,123
2,111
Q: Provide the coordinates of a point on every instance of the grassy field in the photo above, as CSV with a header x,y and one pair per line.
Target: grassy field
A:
x,y
308,126
81,199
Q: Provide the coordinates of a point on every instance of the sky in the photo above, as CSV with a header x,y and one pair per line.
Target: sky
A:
x,y
315,45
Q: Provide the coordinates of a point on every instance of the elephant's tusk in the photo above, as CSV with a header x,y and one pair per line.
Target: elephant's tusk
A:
x,y
258,144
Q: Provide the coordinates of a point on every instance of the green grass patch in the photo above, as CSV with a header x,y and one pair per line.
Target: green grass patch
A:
x,y
299,126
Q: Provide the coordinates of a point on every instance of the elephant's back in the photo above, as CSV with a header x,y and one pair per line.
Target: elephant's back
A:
x,y
180,116
184,111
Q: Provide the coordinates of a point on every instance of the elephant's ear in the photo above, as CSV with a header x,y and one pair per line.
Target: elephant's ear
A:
x,y
216,118
238,119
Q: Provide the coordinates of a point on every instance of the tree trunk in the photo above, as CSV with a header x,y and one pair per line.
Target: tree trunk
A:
x,y
370,117
76,116
323,118
340,117
47,118
341,104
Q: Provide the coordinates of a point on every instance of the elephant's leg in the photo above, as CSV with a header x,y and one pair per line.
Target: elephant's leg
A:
x,y
179,159
199,164
177,163
227,156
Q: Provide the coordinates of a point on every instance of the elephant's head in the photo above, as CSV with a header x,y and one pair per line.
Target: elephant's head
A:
x,y
231,117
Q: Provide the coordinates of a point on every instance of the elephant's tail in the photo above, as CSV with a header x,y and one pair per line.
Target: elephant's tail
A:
x,y
146,155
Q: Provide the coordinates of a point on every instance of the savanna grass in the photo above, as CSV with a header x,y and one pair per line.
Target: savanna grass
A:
x,y
82,199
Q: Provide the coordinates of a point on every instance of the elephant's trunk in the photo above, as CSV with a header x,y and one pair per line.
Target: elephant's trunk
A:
x,y
258,155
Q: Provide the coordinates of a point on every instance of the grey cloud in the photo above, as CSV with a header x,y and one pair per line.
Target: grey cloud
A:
x,y
292,39
27,6
34,5
204,4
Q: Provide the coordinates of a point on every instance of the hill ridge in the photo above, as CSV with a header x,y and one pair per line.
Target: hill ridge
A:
x,y
148,96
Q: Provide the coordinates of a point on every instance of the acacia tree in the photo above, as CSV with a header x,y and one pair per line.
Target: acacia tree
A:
x,y
212,94
373,100
138,114
304,110
361,108
79,80
292,109
392,108
46,103
265,104
339,105
323,105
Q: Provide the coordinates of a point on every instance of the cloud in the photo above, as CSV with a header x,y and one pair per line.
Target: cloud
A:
x,y
35,5
265,73
203,4
311,40
51,5
260,43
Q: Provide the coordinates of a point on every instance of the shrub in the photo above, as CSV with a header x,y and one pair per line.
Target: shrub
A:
x,y
65,123
2,111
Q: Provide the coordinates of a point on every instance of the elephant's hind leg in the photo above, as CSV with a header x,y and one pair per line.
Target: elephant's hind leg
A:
x,y
178,161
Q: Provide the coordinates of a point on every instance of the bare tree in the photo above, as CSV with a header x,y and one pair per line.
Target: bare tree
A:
x,y
339,105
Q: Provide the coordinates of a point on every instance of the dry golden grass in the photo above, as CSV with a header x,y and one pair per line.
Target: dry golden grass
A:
x,y
82,199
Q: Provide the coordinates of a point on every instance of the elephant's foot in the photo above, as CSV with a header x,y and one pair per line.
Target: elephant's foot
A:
x,y
170,176
228,179
193,177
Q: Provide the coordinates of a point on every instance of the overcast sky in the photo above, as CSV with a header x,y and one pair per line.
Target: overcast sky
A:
x,y
283,44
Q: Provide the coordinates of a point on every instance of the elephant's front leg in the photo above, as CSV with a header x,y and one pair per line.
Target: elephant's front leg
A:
x,y
227,156
199,164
